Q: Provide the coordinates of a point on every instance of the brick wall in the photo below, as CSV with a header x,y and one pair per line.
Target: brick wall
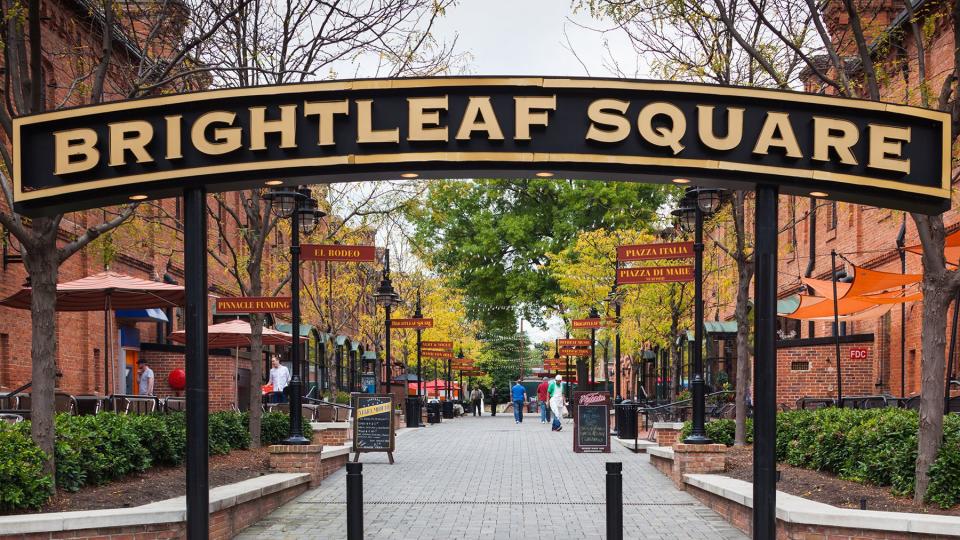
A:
x,y
222,380
819,379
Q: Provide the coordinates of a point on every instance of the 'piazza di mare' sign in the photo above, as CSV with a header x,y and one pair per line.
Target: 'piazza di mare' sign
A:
x,y
616,129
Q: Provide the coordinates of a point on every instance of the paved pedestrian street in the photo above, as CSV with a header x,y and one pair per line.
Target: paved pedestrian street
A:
x,y
489,478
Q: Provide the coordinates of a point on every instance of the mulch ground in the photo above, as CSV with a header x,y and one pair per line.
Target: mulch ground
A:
x,y
827,488
160,483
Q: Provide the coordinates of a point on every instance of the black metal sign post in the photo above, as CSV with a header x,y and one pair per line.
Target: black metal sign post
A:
x,y
195,283
864,152
765,366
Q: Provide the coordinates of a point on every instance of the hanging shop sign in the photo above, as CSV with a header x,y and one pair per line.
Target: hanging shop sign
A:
x,y
474,373
437,345
398,324
373,424
591,422
337,253
593,323
655,274
574,351
865,152
647,252
252,304
433,353
574,343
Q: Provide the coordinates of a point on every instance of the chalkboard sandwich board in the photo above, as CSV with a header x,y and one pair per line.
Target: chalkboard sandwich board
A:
x,y
373,429
591,422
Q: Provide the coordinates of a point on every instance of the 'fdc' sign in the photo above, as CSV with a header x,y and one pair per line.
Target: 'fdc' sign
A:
x,y
867,152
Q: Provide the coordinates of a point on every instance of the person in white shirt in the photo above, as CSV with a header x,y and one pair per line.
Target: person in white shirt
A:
x,y
145,384
279,379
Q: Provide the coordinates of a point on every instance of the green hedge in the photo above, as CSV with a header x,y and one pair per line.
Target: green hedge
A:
x,y
720,431
102,448
874,446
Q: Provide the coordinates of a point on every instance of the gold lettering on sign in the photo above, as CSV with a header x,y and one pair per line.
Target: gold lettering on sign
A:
x,y
734,128
133,136
174,143
225,139
75,143
886,146
532,111
777,131
479,116
662,136
324,110
840,135
424,122
617,124
285,126
365,131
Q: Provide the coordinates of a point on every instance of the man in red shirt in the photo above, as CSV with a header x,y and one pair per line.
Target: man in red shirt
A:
x,y
543,397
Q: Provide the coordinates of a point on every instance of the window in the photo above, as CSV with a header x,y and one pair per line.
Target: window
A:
x,y
800,365
832,216
4,356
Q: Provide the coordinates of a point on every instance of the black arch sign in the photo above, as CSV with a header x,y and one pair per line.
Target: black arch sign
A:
x,y
861,151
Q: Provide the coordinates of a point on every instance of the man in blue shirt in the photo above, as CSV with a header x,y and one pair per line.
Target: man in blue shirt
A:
x,y
519,395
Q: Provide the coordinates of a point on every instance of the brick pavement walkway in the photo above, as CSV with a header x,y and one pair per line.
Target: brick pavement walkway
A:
x,y
491,479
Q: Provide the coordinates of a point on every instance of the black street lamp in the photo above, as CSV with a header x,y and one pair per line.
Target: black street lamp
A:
x,y
414,402
698,203
302,211
592,380
387,297
616,299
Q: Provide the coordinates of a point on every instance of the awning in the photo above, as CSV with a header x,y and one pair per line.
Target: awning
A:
x,y
339,341
305,329
720,327
369,355
951,249
142,315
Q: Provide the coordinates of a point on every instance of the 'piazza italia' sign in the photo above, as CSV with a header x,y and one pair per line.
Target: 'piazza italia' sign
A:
x,y
615,129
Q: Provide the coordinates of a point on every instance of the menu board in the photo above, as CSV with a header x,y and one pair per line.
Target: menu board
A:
x,y
373,429
591,422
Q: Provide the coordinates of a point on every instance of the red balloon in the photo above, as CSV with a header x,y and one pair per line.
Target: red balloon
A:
x,y
177,379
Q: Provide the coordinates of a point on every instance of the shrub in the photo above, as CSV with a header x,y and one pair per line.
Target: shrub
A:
x,y
106,444
275,427
228,431
722,430
883,450
22,481
155,435
944,489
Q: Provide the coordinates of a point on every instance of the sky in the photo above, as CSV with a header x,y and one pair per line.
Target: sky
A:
x,y
530,37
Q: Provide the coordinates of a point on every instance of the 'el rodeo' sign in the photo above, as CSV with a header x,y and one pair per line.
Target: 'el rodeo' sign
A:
x,y
866,152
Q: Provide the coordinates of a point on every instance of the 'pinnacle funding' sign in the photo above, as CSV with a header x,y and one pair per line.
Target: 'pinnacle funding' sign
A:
x,y
253,304
615,129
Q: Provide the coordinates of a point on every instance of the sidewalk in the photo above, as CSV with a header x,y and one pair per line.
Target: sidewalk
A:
x,y
489,478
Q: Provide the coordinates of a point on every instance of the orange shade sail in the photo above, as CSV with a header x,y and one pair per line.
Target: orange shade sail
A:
x,y
869,295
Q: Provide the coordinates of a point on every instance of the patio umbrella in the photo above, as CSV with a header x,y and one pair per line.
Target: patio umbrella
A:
x,y
106,291
234,334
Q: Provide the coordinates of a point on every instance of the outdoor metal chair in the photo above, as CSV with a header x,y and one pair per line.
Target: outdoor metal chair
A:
x,y
127,404
23,402
64,403
11,418
954,405
175,404
912,403
87,405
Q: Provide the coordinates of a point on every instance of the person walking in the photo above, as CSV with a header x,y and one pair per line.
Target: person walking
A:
x,y
475,396
493,401
519,396
556,401
145,384
543,400
279,379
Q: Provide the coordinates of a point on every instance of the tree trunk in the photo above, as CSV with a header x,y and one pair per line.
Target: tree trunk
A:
x,y
744,366
937,295
256,377
42,263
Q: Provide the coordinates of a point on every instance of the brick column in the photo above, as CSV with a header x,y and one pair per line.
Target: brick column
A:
x,y
667,432
293,458
697,459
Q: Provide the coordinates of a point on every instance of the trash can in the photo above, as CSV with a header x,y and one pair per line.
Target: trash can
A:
x,y
447,409
413,411
433,413
627,419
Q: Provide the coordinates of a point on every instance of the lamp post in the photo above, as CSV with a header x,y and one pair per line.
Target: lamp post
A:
x,y
387,297
301,208
460,357
413,403
698,203
616,298
594,314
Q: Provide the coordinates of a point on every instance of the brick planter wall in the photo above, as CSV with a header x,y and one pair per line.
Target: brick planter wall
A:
x,y
328,436
292,458
697,459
